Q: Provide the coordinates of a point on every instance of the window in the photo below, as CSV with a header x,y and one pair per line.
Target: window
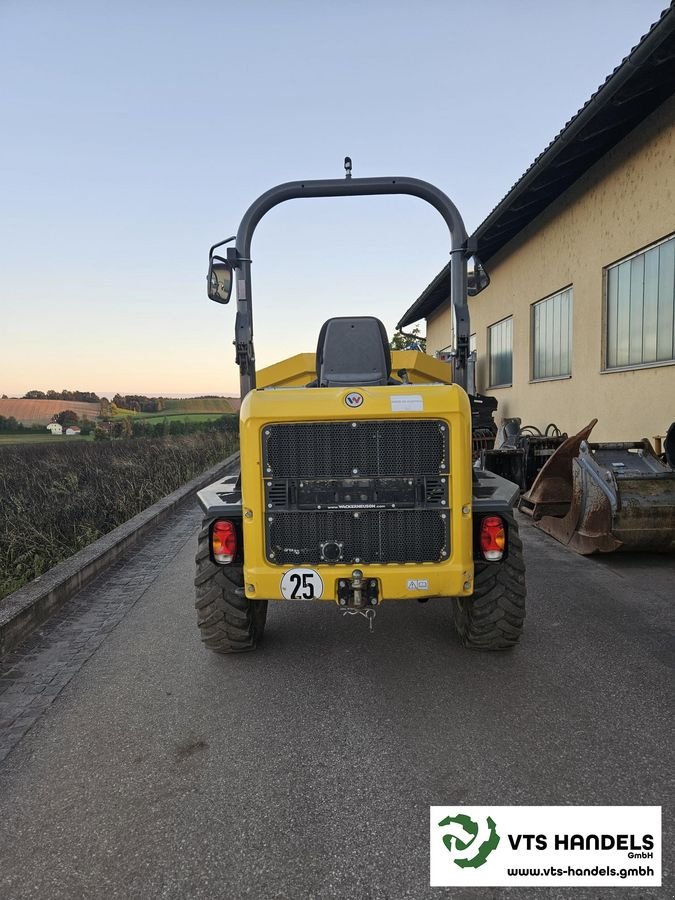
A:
x,y
641,308
500,352
552,336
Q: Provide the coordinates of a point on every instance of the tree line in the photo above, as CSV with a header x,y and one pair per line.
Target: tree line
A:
x,y
9,425
132,402
66,418
138,403
74,396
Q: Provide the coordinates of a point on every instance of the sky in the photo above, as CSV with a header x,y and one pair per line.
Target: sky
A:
x,y
135,135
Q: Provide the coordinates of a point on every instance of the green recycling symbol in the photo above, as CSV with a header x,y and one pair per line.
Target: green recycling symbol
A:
x,y
462,837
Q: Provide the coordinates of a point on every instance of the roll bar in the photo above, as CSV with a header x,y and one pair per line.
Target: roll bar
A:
x,y
239,256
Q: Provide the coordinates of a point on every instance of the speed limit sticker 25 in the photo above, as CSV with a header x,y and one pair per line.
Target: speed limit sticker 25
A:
x,y
301,584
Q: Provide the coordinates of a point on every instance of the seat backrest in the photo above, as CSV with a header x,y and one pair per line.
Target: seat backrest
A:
x,y
352,352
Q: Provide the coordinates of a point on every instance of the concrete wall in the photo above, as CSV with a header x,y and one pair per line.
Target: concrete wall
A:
x,y
622,204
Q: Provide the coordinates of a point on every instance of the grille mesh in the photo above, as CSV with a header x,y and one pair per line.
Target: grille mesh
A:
x,y
325,449
384,536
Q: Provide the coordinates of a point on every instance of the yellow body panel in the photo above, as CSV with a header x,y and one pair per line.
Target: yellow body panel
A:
x,y
299,370
261,407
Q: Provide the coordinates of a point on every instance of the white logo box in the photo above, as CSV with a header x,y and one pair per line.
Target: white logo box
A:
x,y
630,834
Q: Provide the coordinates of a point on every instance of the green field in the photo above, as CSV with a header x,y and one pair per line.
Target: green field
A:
x,y
178,417
198,405
189,409
43,438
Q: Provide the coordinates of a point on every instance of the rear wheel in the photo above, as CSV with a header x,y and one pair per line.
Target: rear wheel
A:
x,y
228,621
492,619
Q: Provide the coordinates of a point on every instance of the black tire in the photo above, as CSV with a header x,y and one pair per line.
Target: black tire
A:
x,y
228,621
492,619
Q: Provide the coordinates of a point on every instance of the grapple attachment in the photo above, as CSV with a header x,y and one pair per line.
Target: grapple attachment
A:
x,y
621,497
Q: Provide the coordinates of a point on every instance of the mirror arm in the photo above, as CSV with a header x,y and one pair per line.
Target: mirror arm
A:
x,y
220,244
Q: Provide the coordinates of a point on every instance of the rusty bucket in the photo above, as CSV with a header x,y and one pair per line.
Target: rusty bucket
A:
x,y
551,491
622,497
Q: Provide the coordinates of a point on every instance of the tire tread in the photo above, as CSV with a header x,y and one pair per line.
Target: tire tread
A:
x,y
228,621
492,619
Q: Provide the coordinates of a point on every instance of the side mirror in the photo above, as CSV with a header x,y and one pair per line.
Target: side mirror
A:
x,y
219,280
477,279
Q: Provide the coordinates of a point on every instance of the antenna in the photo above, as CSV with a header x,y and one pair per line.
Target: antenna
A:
x,y
348,167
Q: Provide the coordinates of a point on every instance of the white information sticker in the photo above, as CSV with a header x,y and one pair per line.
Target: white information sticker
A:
x,y
301,584
418,584
407,403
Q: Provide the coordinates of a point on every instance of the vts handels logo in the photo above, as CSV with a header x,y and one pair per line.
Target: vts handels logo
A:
x,y
469,842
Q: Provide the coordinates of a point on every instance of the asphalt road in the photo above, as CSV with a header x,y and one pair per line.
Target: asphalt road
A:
x,y
306,769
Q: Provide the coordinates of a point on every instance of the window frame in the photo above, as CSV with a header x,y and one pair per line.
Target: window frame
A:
x,y
565,377
506,384
605,368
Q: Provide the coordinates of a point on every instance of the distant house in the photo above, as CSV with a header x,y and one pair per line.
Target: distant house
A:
x,y
72,429
55,428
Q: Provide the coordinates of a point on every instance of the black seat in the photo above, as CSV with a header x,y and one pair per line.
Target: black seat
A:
x,y
353,352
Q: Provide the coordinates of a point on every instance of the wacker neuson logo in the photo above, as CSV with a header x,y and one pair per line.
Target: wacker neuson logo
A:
x,y
598,846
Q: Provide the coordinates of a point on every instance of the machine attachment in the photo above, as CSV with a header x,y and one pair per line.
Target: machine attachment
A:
x,y
551,491
605,497
520,453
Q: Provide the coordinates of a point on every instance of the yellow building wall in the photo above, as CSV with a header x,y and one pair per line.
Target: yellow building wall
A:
x,y
439,329
624,203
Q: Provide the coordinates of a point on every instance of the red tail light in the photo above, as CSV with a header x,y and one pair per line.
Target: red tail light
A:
x,y
492,538
223,541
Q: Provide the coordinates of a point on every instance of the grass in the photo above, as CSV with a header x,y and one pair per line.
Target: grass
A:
x,y
43,438
57,499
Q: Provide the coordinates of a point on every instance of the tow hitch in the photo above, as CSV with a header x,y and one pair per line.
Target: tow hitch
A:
x,y
357,596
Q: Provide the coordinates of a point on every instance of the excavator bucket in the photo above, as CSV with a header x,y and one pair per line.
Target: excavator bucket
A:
x,y
551,491
622,498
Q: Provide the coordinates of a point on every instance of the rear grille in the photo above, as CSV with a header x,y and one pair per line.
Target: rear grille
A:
x,y
375,536
277,494
356,492
325,449
434,491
